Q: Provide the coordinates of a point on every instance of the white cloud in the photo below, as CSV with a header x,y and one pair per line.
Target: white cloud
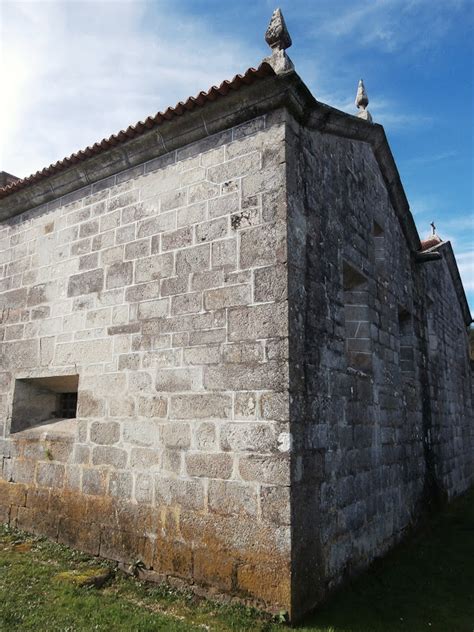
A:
x,y
392,25
79,71
465,261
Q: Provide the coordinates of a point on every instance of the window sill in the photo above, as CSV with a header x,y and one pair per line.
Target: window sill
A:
x,y
49,430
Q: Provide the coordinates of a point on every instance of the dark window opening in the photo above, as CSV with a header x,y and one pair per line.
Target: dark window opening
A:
x,y
407,351
67,405
379,243
44,400
357,319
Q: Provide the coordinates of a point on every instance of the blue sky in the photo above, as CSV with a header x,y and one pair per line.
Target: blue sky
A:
x,y
74,72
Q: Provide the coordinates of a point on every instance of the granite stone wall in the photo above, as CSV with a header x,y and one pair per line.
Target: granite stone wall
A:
x,y
164,289
272,388
381,411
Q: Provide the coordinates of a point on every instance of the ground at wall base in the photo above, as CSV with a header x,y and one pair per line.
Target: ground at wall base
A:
x,y
424,584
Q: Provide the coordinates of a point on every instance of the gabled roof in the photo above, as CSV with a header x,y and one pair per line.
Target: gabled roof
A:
x,y
215,92
435,244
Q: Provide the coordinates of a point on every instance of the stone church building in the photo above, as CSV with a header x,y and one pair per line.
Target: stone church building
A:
x,y
224,350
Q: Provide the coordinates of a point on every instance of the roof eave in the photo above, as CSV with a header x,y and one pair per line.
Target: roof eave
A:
x,y
263,93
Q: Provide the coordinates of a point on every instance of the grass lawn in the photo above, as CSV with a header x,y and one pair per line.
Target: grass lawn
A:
x,y
425,584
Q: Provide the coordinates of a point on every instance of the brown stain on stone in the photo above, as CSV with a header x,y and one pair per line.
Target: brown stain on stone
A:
x,y
200,548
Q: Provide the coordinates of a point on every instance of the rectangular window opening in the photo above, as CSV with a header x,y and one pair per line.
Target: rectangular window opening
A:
x,y
407,351
357,319
44,402
379,243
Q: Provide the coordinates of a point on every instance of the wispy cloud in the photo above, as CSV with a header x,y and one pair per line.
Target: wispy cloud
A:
x,y
393,25
79,71
418,161
465,261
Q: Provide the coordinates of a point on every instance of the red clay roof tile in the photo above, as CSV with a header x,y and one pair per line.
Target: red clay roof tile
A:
x,y
250,76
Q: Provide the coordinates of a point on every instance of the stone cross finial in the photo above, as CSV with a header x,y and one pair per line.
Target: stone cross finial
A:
x,y
278,38
362,101
433,228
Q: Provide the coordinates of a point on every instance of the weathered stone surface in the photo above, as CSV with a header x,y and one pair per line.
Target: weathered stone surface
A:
x,y
86,282
230,367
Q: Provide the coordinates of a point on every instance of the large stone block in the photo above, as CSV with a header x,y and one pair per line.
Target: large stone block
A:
x,y
21,354
259,321
86,283
200,406
210,465
119,275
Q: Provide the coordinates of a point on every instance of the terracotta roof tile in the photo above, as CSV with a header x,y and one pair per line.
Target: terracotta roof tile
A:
x,y
430,242
250,76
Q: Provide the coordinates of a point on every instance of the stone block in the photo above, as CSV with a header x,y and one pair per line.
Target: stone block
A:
x,y
174,285
189,494
142,433
275,504
153,309
231,498
145,458
176,435
205,436
249,437
105,433
23,471
50,475
14,299
193,259
224,205
213,229
224,254
88,405
213,568
105,455
120,485
86,282
243,352
236,167
262,246
245,405
201,355
144,487
200,406
180,238
245,377
271,284
202,191
173,380
136,294
152,406
273,469
229,296
20,354
259,321
94,481
175,558
186,303
153,268
209,465
119,275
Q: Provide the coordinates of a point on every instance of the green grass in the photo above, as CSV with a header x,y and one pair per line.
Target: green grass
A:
x,y
427,583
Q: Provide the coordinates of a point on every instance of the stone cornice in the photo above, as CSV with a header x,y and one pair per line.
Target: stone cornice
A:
x,y
284,90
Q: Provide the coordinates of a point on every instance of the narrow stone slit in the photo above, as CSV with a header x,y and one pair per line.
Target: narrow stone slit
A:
x,y
357,319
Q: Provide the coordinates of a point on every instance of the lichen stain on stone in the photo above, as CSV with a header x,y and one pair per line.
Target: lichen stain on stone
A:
x,y
199,548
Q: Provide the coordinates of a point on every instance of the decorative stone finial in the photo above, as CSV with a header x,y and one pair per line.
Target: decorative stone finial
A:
x,y
433,228
278,38
362,101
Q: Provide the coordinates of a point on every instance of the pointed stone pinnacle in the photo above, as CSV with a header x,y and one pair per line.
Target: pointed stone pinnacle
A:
x,y
277,36
362,101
